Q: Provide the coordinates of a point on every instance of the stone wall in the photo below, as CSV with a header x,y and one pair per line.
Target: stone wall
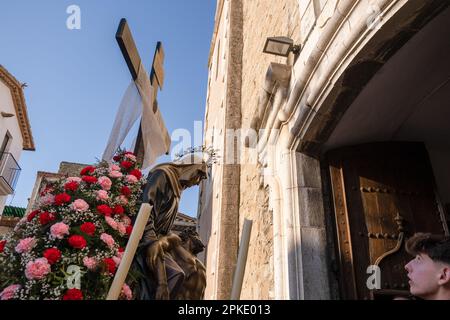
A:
x,y
258,280
7,224
71,169
262,19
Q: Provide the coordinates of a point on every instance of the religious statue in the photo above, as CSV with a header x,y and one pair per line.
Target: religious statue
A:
x,y
163,277
194,284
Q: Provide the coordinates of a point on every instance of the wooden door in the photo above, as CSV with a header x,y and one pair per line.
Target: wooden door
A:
x,y
382,194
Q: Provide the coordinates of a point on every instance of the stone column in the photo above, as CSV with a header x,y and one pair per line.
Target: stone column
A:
x,y
308,202
229,211
302,265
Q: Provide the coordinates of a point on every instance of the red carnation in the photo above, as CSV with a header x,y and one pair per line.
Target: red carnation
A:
x,y
61,199
110,265
125,191
2,245
116,158
32,215
46,217
88,228
73,294
129,152
77,242
118,210
104,210
87,170
126,164
52,255
121,249
129,229
46,190
89,179
71,186
137,173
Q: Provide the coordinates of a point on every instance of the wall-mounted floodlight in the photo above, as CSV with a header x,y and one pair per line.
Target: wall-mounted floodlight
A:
x,y
281,46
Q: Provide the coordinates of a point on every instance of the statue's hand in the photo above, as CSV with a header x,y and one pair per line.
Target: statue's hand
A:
x,y
154,251
162,292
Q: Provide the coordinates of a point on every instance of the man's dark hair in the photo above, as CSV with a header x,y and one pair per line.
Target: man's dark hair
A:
x,y
437,247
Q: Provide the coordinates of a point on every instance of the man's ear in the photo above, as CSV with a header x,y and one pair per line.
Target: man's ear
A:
x,y
444,278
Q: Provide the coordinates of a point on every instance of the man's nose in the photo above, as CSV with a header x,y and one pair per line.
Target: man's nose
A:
x,y
408,267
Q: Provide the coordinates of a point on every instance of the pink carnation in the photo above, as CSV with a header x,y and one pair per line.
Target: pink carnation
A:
x,y
122,200
9,292
73,179
19,224
37,269
102,195
25,245
121,228
126,291
105,183
46,200
59,230
117,260
80,205
130,156
126,220
131,179
114,167
89,263
115,174
106,238
111,222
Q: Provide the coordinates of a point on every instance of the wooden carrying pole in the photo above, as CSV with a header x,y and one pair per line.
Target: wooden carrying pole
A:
x,y
130,251
241,261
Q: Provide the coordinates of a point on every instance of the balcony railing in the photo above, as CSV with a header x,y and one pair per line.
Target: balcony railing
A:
x,y
9,173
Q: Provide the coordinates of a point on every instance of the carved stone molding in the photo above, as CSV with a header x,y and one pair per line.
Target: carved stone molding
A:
x,y
20,107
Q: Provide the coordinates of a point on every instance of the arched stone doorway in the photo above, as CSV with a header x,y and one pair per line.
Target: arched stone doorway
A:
x,y
394,190
321,112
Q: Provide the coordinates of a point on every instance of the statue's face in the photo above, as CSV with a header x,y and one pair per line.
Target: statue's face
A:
x,y
195,180
197,245
194,242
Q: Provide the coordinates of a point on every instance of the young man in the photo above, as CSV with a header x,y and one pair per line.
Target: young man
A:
x,y
429,271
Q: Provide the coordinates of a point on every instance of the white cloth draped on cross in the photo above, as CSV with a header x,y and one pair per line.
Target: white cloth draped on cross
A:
x,y
138,100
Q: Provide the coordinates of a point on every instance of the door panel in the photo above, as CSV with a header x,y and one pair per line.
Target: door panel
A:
x,y
382,193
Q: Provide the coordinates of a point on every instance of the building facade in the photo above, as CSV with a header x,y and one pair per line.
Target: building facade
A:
x,y
15,133
9,219
337,153
66,169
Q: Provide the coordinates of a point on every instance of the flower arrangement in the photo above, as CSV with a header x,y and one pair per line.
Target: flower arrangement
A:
x,y
69,248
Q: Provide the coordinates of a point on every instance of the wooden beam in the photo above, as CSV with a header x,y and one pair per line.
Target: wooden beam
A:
x,y
128,48
158,65
131,55
139,146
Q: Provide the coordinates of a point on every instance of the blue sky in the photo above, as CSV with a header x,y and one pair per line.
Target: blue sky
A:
x,y
76,78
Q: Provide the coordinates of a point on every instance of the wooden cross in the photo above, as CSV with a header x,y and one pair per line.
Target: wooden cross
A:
x,y
130,53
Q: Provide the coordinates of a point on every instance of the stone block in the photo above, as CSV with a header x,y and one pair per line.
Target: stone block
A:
x,y
308,171
311,207
314,264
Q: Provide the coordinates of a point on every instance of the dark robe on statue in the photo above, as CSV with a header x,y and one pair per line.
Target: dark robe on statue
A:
x,y
163,191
